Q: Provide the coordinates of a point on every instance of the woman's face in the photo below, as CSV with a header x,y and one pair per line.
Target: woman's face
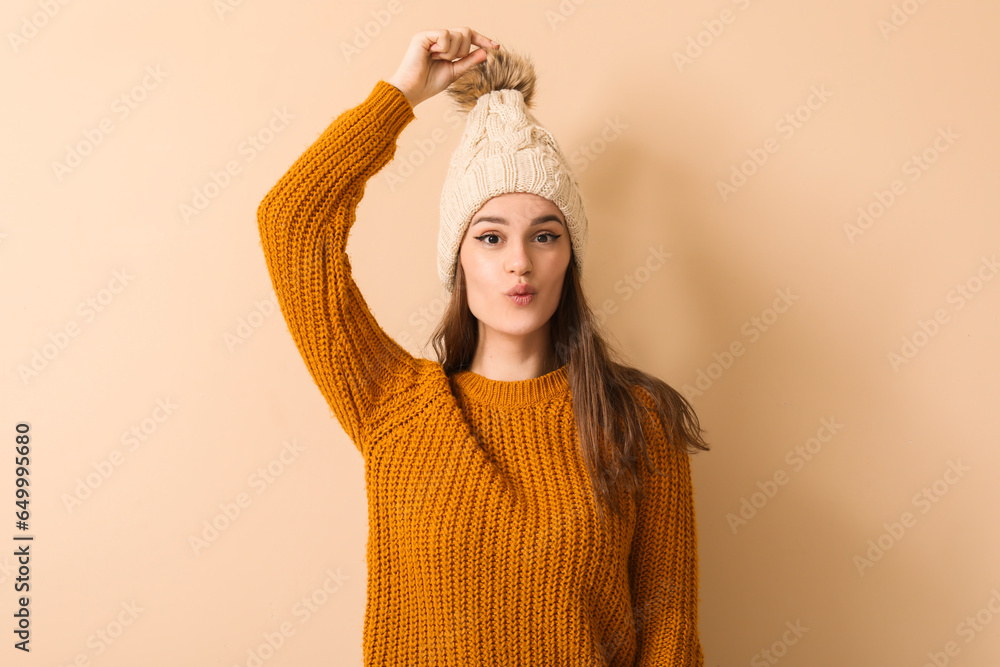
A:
x,y
515,239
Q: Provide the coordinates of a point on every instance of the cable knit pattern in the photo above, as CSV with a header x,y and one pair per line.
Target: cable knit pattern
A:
x,y
484,546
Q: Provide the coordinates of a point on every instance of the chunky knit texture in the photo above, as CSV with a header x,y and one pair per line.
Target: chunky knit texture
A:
x,y
483,545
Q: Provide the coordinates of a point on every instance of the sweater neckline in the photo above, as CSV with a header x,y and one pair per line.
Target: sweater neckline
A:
x,y
511,392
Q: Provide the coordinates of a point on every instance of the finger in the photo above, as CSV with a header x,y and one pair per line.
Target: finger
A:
x,y
482,40
468,62
428,39
443,43
450,52
425,50
461,39
461,43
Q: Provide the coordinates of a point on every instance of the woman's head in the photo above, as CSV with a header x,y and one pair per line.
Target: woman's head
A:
x,y
515,240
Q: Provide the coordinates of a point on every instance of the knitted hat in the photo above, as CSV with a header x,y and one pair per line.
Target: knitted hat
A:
x,y
503,149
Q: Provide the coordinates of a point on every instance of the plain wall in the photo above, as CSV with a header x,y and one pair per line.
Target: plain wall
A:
x,y
851,489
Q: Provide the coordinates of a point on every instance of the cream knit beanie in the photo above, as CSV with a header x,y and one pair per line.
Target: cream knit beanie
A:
x,y
503,149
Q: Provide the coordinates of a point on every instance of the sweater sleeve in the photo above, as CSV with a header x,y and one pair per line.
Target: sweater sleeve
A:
x,y
304,222
663,563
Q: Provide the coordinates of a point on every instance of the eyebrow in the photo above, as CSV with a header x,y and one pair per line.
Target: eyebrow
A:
x,y
497,220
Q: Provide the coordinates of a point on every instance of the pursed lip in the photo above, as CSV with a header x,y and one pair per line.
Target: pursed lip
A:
x,y
521,289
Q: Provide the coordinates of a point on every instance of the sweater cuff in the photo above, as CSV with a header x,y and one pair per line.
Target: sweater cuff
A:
x,y
391,106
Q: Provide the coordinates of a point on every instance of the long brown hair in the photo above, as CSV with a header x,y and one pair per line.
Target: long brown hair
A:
x,y
606,408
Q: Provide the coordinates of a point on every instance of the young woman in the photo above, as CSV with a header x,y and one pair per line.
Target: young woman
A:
x,y
529,497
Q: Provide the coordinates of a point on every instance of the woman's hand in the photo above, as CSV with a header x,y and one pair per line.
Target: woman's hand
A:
x,y
427,67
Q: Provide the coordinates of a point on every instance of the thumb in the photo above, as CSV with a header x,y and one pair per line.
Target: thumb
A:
x,y
463,65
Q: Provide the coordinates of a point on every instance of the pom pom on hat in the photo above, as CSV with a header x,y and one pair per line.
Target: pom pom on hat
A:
x,y
501,70
502,149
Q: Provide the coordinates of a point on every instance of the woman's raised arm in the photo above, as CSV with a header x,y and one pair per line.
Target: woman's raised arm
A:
x,y
304,222
305,219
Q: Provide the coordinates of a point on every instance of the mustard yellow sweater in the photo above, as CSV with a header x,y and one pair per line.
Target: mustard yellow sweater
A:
x,y
483,545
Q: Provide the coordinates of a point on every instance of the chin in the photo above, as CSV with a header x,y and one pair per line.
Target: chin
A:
x,y
517,326
512,328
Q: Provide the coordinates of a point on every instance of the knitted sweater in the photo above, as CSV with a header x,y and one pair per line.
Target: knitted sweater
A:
x,y
483,544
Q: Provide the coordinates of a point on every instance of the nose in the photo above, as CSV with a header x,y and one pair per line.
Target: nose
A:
x,y
517,259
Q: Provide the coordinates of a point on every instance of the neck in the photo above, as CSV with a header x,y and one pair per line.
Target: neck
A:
x,y
513,358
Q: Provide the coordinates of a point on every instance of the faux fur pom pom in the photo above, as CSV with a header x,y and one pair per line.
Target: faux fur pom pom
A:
x,y
502,69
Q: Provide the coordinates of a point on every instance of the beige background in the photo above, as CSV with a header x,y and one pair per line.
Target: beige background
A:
x,y
127,305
